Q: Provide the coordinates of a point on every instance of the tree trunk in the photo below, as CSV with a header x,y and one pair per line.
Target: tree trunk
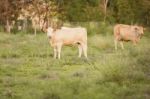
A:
x,y
8,29
35,30
25,23
105,9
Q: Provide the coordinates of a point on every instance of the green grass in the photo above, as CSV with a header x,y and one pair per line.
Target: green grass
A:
x,y
28,70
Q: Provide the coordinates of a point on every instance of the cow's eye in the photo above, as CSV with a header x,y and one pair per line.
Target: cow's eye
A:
x,y
136,29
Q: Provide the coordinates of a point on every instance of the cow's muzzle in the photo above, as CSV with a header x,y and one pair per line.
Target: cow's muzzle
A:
x,y
49,37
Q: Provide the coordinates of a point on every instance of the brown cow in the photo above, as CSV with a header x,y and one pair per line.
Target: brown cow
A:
x,y
127,33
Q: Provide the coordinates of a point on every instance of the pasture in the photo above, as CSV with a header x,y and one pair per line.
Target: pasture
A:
x,y
28,70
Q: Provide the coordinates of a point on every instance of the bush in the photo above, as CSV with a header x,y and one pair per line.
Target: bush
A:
x,y
92,27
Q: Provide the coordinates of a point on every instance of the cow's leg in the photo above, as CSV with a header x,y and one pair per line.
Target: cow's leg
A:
x,y
121,43
80,50
115,41
55,52
135,42
59,50
84,47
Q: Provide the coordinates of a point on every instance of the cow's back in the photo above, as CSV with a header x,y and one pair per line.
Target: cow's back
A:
x,y
71,35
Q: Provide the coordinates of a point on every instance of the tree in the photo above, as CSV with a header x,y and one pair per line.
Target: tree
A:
x,y
104,5
9,11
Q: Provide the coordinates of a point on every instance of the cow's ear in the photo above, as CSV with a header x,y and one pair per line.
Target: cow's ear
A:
x,y
136,28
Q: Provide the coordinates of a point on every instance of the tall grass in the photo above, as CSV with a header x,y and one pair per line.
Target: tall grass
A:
x,y
28,70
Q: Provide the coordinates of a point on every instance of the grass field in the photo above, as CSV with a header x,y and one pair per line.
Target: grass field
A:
x,y
28,70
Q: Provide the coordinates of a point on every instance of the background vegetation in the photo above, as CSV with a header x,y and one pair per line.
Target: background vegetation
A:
x,y
28,70
107,11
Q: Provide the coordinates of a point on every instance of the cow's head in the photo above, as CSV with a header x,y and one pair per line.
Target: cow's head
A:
x,y
139,30
50,32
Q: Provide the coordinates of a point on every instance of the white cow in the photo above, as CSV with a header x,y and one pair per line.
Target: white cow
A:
x,y
68,36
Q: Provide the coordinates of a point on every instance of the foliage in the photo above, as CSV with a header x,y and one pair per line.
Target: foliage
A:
x,y
120,11
9,9
108,11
